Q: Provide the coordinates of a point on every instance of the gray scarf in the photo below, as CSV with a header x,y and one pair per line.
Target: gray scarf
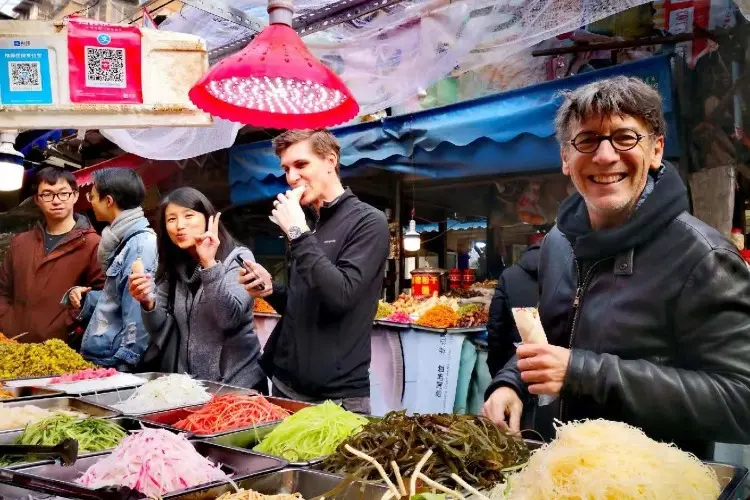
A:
x,y
115,232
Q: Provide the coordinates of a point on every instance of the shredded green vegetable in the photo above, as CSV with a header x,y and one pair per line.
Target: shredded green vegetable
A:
x,y
312,432
92,434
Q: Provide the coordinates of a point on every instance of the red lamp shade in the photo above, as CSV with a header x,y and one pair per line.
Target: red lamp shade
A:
x,y
275,82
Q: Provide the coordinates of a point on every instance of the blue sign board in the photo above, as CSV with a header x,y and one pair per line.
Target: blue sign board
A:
x,y
25,77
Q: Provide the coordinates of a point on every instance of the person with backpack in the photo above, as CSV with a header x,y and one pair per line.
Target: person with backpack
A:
x,y
200,317
115,335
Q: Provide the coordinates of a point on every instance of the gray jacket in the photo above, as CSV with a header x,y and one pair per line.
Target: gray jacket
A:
x,y
214,321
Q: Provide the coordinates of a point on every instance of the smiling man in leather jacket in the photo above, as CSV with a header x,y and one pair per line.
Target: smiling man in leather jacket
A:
x,y
646,308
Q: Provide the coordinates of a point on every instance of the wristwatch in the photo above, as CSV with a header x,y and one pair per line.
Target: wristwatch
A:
x,y
294,233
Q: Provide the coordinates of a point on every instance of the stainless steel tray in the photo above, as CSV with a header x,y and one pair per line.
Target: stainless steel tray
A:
x,y
129,424
66,403
168,418
249,438
307,483
110,398
55,478
468,329
393,324
29,393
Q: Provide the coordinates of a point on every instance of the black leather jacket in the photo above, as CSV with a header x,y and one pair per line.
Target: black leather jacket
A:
x,y
658,325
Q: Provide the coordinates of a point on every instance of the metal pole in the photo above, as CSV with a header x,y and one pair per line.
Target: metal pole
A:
x,y
399,235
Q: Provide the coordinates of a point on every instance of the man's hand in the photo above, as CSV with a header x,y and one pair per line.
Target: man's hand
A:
x,y
254,275
288,212
543,367
76,296
504,408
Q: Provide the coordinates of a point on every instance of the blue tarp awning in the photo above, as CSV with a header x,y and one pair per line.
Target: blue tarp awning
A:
x,y
508,133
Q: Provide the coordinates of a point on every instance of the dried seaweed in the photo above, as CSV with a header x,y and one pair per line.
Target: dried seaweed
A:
x,y
469,446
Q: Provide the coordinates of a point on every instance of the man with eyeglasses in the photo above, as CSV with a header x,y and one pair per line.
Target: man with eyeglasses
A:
x,y
42,264
646,308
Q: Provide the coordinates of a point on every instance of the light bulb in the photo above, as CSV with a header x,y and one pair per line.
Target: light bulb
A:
x,y
412,241
11,164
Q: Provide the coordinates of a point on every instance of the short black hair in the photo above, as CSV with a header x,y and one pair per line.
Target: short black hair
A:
x,y
124,185
53,175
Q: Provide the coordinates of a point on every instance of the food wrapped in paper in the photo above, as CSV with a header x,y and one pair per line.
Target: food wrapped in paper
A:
x,y
529,325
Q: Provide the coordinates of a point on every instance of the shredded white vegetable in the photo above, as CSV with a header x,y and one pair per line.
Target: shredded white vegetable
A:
x,y
171,391
605,460
154,462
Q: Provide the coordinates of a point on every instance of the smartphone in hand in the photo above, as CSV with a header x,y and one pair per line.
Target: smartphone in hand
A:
x,y
241,262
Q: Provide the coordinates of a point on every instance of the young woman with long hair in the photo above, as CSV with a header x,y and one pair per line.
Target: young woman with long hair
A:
x,y
200,318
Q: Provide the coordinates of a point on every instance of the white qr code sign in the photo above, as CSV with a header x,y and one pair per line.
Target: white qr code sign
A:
x,y
105,67
25,76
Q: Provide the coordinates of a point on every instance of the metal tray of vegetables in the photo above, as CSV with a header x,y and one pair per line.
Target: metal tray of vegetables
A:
x,y
73,406
54,478
96,435
309,484
167,419
109,399
27,394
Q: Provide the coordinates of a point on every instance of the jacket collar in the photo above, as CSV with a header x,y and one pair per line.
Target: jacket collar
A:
x,y
655,211
82,226
329,208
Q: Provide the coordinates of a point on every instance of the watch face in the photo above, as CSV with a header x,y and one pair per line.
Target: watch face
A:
x,y
294,232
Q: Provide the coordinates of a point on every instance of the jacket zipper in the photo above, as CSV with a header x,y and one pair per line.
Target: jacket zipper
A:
x,y
582,285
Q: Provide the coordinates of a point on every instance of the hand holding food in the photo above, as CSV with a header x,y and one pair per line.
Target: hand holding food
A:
x,y
137,267
76,296
287,211
504,408
529,325
141,288
543,367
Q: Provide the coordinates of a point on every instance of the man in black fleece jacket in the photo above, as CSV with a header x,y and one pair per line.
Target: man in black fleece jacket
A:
x,y
646,308
321,347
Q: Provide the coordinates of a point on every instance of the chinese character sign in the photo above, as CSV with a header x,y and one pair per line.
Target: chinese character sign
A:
x,y
104,62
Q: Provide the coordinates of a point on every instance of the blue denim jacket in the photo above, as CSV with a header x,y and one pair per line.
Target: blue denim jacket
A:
x,y
115,336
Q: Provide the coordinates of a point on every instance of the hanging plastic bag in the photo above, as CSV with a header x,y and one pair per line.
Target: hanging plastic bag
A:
x,y
104,62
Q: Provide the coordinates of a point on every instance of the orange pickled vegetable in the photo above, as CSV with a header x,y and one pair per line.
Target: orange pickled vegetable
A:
x,y
440,316
263,307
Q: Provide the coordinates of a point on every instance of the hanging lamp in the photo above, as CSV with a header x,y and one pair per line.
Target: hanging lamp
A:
x,y
275,82
412,240
11,162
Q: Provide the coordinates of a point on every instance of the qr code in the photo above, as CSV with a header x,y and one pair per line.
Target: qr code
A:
x,y
105,67
25,76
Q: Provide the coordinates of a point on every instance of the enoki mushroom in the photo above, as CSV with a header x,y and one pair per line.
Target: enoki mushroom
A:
x,y
400,492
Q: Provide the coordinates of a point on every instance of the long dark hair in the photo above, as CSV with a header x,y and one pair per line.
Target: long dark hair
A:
x,y
171,257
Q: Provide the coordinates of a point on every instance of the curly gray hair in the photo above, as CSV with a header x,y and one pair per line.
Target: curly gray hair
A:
x,y
620,95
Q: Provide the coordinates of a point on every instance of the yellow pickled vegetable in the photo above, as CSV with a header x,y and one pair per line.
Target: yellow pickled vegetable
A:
x,y
53,357
384,310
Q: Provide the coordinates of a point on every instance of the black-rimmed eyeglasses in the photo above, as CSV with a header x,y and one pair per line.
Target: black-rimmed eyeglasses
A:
x,y
48,197
621,140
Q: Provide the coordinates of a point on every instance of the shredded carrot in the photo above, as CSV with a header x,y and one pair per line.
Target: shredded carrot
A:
x,y
439,316
231,411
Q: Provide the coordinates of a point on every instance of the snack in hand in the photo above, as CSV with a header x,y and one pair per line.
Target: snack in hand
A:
x,y
529,325
137,267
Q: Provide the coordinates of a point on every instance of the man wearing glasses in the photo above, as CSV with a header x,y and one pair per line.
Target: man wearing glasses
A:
x,y
646,308
42,264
